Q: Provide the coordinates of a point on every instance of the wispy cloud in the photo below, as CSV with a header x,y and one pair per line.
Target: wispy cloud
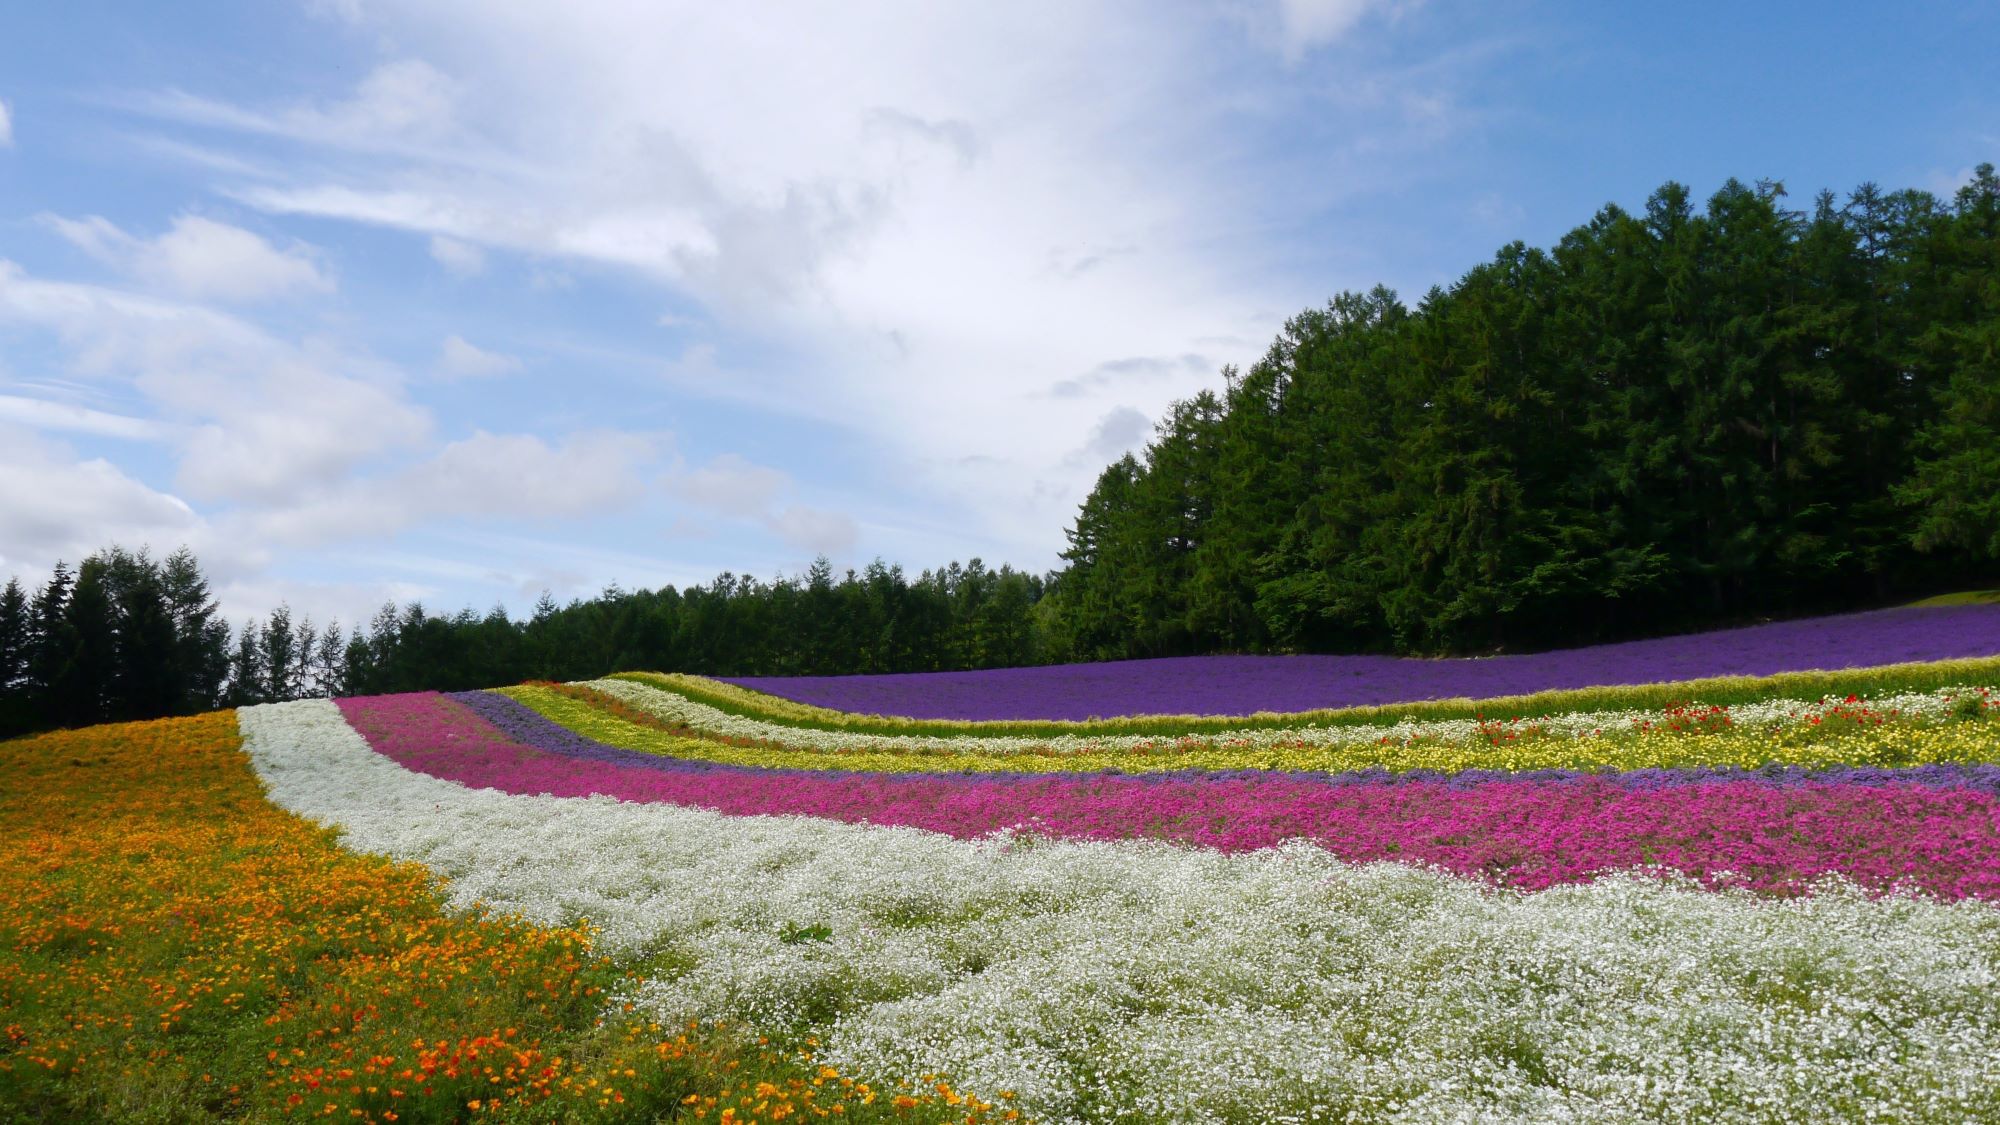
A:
x,y
462,259
1138,369
41,414
458,359
198,257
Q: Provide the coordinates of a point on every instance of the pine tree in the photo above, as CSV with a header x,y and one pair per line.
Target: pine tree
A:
x,y
248,683
50,645
14,638
16,704
1955,488
330,662
147,678
279,655
83,693
201,637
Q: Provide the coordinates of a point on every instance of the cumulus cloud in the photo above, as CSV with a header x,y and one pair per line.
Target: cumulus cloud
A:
x,y
198,258
462,259
289,444
6,126
459,359
523,475
516,476
56,505
257,417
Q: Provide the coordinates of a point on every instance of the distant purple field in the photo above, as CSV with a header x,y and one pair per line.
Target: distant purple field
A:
x,y
1239,685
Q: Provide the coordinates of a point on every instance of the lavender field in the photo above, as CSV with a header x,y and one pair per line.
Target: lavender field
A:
x,y
1241,685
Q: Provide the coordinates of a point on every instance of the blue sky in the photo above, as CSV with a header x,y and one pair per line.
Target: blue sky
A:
x,y
461,300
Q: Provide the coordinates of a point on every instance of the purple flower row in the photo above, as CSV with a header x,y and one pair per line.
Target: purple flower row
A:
x,y
1532,834
526,725
1241,685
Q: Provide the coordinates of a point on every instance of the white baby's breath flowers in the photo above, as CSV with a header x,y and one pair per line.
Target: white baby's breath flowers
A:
x,y
1148,982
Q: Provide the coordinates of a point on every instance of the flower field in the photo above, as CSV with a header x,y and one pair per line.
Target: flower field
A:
x,y
177,948
1239,685
1738,899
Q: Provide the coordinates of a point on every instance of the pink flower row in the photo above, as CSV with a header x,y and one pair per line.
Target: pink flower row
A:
x,y
1523,833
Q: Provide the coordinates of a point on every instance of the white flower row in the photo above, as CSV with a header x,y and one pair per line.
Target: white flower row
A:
x,y
1141,981
674,707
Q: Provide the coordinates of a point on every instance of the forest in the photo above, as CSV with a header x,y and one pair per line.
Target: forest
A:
x,y
127,636
1669,420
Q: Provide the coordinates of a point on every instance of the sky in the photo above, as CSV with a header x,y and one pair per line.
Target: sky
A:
x,y
463,300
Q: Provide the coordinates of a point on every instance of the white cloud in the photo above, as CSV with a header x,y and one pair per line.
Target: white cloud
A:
x,y
461,259
1115,434
55,505
524,476
811,529
6,126
258,418
42,414
96,236
1294,29
917,222
1133,369
405,105
459,359
730,485
1307,24
198,258
514,476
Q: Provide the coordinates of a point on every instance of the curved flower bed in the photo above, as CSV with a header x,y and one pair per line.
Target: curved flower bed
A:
x,y
1778,714
1142,980
1941,836
1814,736
1771,905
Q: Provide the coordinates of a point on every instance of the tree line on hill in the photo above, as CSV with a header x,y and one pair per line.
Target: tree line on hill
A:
x,y
127,636
1669,419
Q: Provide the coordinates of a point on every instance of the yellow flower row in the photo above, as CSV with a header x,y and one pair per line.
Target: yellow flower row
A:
x,y
1804,745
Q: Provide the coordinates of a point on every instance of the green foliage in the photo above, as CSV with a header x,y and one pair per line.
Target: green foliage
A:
x,y
1668,419
124,637
127,637
874,620
795,934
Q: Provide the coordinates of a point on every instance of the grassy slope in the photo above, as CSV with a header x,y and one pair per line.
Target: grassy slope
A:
x,y
1963,597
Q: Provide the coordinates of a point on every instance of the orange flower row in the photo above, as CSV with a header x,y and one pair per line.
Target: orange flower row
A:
x,y
177,945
